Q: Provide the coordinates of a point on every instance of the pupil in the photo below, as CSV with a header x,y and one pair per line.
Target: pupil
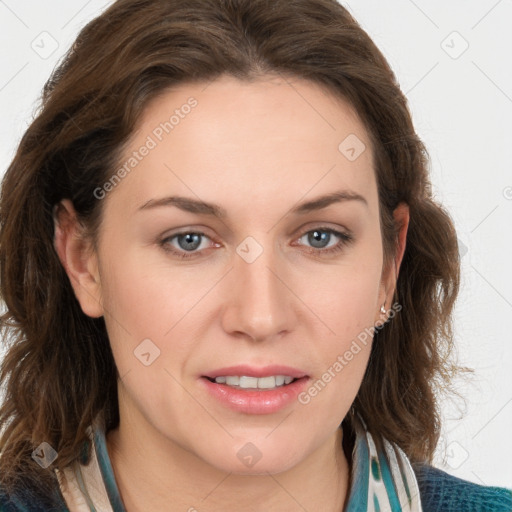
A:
x,y
192,241
318,236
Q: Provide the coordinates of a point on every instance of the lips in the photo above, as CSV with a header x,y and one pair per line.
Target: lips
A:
x,y
254,401
246,397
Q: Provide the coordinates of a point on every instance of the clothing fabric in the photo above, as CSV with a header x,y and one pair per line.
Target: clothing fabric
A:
x,y
381,481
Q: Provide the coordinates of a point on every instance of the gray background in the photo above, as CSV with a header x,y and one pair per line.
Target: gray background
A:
x,y
453,62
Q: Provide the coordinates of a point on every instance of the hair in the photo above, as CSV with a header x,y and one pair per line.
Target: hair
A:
x,y
58,370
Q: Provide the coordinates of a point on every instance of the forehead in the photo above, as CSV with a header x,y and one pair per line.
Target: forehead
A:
x,y
232,142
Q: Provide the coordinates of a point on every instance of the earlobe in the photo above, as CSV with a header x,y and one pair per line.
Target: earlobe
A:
x,y
78,258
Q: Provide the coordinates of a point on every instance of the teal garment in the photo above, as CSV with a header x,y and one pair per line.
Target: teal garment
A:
x,y
442,492
381,481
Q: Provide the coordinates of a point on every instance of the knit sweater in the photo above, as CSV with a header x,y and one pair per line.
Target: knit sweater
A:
x,y
380,481
441,492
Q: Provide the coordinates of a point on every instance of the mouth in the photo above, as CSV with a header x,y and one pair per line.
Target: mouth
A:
x,y
255,390
254,383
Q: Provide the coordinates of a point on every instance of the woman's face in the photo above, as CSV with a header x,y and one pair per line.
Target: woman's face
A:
x,y
260,282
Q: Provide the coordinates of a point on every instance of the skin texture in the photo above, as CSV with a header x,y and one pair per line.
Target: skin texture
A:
x,y
256,149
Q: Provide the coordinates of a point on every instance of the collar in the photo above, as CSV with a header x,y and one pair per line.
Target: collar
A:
x,y
381,480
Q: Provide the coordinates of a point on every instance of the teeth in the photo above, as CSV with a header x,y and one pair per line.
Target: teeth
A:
x,y
248,382
245,382
266,382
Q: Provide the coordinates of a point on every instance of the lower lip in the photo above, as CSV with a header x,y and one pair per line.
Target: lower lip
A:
x,y
250,401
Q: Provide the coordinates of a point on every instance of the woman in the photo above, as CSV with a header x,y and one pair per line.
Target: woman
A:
x,y
227,283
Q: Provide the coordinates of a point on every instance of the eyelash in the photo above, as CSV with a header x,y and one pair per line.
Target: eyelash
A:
x,y
345,239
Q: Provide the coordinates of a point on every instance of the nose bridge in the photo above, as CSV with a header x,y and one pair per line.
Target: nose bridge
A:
x,y
259,305
253,268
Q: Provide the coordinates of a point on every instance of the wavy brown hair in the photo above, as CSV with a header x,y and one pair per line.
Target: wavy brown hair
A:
x,y
58,371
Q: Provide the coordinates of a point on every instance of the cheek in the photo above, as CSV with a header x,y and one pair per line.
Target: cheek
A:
x,y
341,357
139,305
350,314
345,297
346,306
149,299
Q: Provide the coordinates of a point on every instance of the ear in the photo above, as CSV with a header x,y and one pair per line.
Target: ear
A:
x,y
390,274
78,257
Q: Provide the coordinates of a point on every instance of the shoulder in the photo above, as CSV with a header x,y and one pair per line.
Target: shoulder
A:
x,y
26,499
442,492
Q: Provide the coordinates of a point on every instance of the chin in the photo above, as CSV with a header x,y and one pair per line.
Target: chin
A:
x,y
248,458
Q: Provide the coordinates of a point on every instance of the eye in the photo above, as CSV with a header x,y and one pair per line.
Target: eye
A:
x,y
187,244
318,238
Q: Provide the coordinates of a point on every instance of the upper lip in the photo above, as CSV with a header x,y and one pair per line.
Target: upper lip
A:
x,y
254,371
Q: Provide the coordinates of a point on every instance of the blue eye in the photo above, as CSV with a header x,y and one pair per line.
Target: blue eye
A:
x,y
317,238
189,241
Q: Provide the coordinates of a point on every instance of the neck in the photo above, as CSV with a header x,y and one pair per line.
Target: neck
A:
x,y
155,473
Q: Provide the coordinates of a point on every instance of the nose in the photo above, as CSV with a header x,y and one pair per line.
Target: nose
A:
x,y
259,304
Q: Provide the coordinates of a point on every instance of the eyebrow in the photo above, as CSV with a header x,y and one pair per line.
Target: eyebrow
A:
x,y
200,207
